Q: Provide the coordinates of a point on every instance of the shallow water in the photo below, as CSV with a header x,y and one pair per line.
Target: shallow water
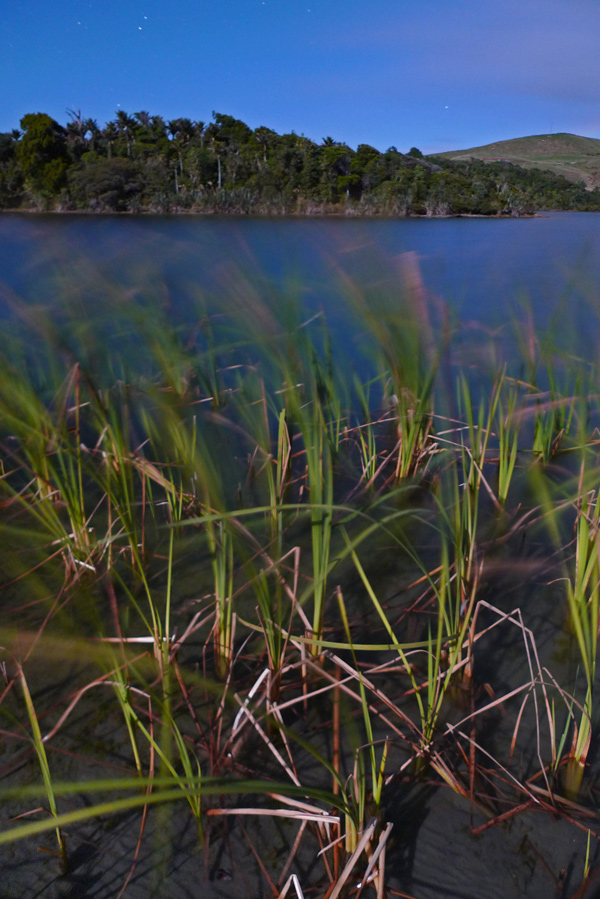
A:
x,y
483,269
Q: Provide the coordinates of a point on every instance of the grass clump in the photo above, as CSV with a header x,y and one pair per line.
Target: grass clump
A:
x,y
244,544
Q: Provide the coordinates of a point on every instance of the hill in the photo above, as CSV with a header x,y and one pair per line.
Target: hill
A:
x,y
142,163
573,157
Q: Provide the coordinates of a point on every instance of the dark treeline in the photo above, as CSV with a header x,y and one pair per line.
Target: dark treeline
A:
x,y
142,163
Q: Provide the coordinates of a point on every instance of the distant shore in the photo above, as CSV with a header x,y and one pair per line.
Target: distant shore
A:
x,y
328,213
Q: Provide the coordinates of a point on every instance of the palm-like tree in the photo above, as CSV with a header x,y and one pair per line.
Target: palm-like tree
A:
x,y
126,128
77,130
199,131
94,132
265,139
158,126
143,118
109,136
182,131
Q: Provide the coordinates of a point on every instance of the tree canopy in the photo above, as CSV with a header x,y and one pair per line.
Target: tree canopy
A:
x,y
141,162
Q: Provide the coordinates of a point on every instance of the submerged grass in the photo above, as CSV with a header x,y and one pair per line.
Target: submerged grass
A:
x,y
271,543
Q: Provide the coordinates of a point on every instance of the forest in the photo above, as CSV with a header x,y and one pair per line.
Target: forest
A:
x,y
143,163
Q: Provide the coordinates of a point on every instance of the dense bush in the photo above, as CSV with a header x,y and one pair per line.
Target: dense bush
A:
x,y
143,163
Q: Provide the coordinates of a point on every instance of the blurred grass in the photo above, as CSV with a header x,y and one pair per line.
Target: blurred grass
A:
x,y
253,522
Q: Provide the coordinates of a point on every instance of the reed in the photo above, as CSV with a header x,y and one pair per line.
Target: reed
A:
x,y
42,757
583,600
44,447
221,553
366,436
258,533
273,455
507,427
357,820
320,491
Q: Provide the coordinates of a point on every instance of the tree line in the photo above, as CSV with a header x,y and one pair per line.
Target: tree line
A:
x,y
143,163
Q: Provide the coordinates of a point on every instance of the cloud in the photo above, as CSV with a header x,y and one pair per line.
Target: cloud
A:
x,y
541,48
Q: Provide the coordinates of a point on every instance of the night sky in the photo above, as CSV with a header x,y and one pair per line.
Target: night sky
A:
x,y
436,74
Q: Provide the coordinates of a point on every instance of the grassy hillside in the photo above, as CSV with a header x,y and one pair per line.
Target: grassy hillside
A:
x,y
576,158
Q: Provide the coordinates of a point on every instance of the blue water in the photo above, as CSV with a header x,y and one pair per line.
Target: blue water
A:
x,y
487,270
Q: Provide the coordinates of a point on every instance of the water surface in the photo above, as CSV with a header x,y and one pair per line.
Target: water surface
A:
x,y
483,267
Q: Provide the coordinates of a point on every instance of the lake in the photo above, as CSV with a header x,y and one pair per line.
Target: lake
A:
x,y
484,268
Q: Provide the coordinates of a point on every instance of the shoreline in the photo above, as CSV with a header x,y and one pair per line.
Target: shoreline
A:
x,y
292,215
